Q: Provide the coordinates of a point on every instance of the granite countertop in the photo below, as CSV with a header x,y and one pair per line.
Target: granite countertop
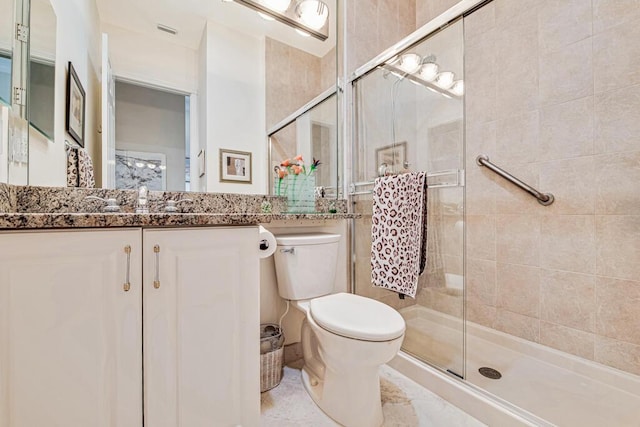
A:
x,y
22,221
32,207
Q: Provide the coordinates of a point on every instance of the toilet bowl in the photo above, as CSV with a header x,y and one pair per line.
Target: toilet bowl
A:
x,y
345,337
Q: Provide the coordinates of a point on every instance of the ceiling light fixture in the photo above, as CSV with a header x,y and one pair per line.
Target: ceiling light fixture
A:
x,y
308,16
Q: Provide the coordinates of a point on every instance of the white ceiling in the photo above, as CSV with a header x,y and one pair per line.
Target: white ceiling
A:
x,y
190,16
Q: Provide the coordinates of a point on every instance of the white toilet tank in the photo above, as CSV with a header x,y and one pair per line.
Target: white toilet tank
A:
x,y
306,264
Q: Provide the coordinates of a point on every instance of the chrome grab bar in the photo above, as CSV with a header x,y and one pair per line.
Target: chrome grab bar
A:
x,y
543,198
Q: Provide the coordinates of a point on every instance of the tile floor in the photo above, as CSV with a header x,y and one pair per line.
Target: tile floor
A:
x,y
404,403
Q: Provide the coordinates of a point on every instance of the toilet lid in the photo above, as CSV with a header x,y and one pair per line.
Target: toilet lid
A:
x,y
357,317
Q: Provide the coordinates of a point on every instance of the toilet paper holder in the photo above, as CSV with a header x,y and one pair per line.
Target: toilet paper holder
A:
x,y
264,245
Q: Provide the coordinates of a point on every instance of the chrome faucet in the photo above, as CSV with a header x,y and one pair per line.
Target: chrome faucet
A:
x,y
143,202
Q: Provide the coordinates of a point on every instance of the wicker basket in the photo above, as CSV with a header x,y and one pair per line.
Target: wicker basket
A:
x,y
271,356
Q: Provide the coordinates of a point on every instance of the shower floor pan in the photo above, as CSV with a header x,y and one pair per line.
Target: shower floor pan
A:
x,y
558,387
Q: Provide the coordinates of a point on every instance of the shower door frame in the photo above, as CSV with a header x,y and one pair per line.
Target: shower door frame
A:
x,y
451,16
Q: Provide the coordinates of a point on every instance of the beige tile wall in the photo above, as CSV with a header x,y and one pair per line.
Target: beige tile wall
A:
x,y
293,77
553,95
375,25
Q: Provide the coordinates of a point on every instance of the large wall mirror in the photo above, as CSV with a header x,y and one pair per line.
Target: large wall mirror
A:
x,y
170,86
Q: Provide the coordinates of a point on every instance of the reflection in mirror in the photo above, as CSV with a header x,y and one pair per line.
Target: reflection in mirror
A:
x,y
42,53
312,134
156,154
237,75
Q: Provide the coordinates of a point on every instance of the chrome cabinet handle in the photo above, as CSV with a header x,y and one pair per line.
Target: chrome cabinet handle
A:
x,y
156,281
288,251
127,284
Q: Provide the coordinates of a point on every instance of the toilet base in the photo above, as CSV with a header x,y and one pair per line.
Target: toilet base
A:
x,y
352,403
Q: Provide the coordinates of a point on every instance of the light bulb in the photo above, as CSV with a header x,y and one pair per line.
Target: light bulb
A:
x,y
140,164
429,71
409,62
151,166
457,88
266,17
162,167
313,13
445,79
277,5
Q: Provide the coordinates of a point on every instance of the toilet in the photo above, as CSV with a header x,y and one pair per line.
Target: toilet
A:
x,y
345,337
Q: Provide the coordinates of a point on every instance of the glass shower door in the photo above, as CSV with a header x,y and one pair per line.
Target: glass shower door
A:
x,y
409,115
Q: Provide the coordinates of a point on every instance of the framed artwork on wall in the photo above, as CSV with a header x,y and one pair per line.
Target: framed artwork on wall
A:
x,y
235,166
75,106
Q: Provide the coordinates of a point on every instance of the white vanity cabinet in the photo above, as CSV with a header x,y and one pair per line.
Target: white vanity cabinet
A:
x,y
201,327
72,351
70,336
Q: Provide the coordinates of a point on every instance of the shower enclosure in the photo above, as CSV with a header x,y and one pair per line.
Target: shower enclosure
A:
x,y
526,303
407,121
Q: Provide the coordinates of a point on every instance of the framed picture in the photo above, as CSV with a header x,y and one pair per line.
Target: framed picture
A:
x,y
235,166
136,168
75,106
394,156
202,164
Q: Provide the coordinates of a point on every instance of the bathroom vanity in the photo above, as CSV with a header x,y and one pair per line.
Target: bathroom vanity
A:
x,y
123,318
86,312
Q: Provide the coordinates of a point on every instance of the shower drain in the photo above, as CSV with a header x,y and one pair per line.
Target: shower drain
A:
x,y
490,373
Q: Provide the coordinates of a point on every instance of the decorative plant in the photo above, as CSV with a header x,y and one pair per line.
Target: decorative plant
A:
x,y
294,167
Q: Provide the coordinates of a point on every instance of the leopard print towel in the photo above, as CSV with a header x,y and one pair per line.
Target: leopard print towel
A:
x,y
398,232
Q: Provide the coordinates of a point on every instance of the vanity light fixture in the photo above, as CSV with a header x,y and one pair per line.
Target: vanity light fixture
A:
x,y
428,71
278,5
457,88
310,17
266,17
445,79
424,72
313,13
409,62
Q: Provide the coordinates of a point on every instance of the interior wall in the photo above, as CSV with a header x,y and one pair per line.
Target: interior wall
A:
x,y
78,42
553,95
293,78
375,25
155,60
153,121
235,105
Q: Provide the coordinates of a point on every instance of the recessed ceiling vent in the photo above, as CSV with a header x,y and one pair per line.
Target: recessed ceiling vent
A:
x,y
167,29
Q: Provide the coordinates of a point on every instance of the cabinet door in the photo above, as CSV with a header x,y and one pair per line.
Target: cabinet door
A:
x,y
70,336
201,327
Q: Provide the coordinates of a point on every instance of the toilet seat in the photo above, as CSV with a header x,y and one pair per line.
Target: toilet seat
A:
x,y
357,317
